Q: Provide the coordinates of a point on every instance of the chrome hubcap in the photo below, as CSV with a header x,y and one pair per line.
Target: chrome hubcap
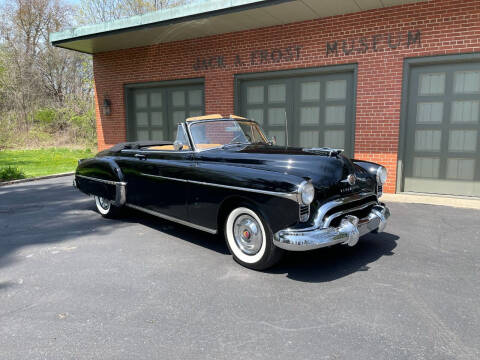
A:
x,y
104,203
247,234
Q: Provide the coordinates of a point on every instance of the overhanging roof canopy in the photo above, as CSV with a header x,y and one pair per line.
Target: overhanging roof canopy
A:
x,y
204,18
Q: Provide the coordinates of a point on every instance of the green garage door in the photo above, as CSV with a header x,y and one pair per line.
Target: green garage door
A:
x,y
443,130
319,109
154,112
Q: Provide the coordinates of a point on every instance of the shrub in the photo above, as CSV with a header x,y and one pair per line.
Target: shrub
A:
x,y
71,123
7,133
45,116
11,173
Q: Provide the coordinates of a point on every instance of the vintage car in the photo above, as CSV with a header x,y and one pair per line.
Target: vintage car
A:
x,y
222,175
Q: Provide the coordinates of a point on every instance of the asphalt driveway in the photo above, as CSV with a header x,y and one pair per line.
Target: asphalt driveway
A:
x,y
76,286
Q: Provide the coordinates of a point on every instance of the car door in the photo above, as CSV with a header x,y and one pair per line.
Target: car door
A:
x,y
162,181
157,178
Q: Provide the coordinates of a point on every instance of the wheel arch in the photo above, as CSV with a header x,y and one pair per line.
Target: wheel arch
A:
x,y
231,203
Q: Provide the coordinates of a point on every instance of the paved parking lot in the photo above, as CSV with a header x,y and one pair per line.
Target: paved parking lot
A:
x,y
76,286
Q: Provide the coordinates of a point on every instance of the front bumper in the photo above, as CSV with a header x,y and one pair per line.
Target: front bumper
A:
x,y
348,232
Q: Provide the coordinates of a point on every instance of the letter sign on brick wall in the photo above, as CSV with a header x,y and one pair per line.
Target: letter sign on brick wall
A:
x,y
255,57
372,43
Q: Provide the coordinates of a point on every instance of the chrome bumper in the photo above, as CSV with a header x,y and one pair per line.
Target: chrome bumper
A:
x,y
349,231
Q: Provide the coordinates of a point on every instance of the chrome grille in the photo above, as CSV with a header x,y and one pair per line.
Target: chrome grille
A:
x,y
304,212
379,190
343,206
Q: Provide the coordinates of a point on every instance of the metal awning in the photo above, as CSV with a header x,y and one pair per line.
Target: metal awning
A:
x,y
204,18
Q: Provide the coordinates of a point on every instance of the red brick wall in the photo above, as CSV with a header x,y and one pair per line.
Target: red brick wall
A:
x,y
446,26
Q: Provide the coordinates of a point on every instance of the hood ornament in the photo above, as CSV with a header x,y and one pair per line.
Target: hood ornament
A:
x,y
324,150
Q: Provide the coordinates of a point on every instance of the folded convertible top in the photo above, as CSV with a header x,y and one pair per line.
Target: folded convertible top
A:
x,y
138,144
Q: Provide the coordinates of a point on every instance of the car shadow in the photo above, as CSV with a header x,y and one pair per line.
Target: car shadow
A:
x,y
338,261
320,265
200,238
44,213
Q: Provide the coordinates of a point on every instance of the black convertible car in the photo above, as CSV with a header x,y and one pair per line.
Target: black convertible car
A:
x,y
222,174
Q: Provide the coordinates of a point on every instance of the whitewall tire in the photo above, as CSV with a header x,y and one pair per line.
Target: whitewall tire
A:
x,y
105,207
250,239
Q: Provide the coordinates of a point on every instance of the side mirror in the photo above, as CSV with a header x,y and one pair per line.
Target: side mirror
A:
x,y
177,145
272,140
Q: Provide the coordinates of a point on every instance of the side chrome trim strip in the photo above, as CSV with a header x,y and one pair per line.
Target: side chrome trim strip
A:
x,y
291,196
171,218
109,182
163,177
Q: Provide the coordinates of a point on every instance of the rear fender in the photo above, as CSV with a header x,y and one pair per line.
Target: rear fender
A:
x,y
101,177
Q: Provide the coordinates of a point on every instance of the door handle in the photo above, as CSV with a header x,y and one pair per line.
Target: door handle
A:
x,y
140,156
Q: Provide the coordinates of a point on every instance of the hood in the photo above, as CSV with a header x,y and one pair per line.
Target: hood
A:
x,y
326,171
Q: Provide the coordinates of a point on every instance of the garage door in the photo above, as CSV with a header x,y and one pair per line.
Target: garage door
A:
x,y
443,130
319,109
154,112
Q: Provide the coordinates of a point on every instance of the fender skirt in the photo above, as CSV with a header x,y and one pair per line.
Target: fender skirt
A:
x,y
114,191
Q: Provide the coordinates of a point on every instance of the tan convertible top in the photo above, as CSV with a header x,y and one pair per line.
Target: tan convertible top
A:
x,y
215,116
205,117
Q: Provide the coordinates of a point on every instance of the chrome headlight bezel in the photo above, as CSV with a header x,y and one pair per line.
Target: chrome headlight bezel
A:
x,y
306,193
382,175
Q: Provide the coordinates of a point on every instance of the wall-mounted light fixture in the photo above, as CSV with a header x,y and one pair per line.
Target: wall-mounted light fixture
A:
x,y
107,107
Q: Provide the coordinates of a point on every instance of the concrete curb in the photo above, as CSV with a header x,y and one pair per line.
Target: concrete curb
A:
x,y
13,182
457,202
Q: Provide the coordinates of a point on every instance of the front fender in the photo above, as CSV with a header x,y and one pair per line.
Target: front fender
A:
x,y
101,177
370,167
246,177
273,193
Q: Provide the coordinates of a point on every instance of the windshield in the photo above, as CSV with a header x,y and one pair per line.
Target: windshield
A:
x,y
209,134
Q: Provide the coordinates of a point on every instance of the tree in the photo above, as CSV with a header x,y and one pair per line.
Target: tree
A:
x,y
45,88
35,73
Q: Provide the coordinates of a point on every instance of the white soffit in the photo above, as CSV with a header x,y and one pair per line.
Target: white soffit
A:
x,y
199,20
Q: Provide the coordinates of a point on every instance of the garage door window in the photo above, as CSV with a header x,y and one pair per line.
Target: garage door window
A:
x,y
154,112
318,108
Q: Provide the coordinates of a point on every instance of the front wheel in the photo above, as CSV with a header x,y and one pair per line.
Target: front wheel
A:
x,y
106,208
250,239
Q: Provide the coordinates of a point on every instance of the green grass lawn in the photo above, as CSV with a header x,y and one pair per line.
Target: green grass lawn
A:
x,y
42,162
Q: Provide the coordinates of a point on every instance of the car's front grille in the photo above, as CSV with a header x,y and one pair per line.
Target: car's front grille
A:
x,y
358,206
360,213
304,213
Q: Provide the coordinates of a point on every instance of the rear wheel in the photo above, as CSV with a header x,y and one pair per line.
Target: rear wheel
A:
x,y
106,208
250,239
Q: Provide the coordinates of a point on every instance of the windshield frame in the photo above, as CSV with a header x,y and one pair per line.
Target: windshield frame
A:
x,y
192,140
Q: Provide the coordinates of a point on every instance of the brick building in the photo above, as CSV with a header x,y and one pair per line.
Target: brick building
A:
x,y
391,81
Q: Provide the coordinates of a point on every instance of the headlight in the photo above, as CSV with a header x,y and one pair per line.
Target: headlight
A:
x,y
381,175
306,192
